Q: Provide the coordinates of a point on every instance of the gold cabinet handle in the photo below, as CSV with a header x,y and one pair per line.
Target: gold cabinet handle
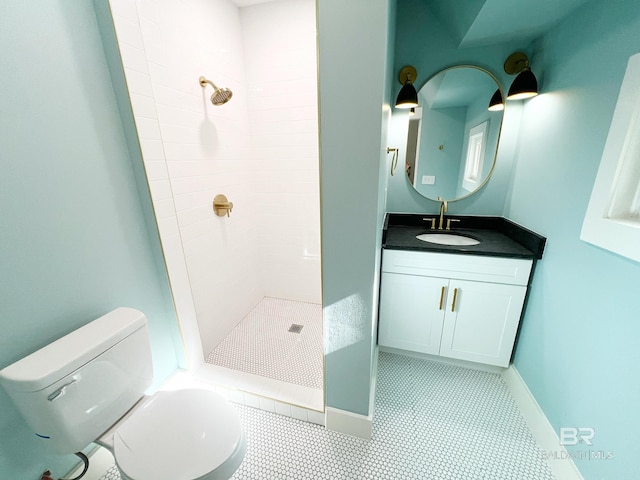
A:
x,y
441,298
455,295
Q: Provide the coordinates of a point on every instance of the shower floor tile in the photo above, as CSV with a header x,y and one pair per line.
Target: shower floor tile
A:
x,y
431,421
262,345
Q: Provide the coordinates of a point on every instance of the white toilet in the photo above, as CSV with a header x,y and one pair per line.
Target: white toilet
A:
x,y
89,385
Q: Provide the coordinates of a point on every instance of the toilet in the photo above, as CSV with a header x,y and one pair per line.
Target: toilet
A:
x,y
89,385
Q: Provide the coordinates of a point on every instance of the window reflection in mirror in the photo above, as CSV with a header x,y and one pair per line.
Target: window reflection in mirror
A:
x,y
452,138
473,172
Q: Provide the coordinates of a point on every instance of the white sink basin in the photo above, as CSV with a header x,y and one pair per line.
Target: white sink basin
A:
x,y
448,239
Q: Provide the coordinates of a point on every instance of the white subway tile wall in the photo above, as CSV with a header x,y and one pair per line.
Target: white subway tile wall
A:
x,y
280,62
260,150
128,27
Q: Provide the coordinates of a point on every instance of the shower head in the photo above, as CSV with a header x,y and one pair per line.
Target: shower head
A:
x,y
220,96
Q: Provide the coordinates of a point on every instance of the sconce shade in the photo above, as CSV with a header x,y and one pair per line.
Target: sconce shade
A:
x,y
524,86
407,97
496,103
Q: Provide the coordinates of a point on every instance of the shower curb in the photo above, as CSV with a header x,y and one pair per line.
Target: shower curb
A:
x,y
271,405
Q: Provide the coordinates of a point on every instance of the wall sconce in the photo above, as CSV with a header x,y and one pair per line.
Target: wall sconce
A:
x,y
525,84
496,103
408,97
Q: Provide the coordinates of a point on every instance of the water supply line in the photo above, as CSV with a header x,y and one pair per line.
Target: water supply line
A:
x,y
47,474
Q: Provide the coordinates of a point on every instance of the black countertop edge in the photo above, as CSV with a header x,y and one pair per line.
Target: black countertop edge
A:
x,y
519,234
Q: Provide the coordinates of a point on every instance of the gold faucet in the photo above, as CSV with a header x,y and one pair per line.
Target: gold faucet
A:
x,y
443,210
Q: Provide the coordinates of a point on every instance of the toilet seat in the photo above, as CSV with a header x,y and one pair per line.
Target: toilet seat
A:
x,y
191,434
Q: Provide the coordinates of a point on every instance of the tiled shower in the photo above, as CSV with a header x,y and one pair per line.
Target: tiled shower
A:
x,y
260,150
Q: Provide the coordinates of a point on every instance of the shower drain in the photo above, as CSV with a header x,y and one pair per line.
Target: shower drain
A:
x,y
295,328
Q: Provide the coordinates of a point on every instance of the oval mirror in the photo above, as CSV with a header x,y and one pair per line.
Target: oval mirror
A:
x,y
453,138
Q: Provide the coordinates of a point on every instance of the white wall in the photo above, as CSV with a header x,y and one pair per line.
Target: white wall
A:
x,y
193,150
280,58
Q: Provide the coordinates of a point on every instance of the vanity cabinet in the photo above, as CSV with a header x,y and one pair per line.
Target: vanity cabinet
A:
x,y
459,306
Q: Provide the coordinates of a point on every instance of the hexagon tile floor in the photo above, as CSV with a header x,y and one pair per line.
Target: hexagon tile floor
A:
x,y
262,344
432,422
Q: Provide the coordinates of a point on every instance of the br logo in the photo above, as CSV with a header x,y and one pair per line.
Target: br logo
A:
x,y
573,435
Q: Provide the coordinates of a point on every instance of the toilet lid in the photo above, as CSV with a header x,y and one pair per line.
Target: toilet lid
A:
x,y
180,435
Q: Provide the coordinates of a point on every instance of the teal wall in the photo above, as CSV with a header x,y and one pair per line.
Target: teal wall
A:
x,y
440,126
579,350
74,239
424,42
351,155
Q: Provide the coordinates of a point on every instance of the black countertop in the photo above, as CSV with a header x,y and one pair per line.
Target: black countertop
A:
x,y
499,237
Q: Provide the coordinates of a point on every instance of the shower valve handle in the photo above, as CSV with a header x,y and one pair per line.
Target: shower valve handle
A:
x,y
222,206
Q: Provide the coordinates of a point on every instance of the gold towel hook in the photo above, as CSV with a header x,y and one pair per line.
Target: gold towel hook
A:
x,y
394,160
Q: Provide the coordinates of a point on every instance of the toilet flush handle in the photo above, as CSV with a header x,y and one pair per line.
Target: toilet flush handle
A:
x,y
61,391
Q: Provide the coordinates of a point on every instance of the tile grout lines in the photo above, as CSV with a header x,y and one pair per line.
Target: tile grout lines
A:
x,y
262,345
432,421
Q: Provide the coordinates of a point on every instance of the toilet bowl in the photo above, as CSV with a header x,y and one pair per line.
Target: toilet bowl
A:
x,y
89,385
190,434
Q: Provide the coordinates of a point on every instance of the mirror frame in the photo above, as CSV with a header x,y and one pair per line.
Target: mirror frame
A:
x,y
495,154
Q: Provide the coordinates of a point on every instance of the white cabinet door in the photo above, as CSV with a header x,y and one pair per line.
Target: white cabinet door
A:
x,y
412,312
483,324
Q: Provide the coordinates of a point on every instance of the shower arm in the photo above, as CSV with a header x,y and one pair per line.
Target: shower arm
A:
x,y
203,83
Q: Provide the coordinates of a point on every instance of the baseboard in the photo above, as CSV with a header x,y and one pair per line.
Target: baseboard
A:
x,y
557,457
448,361
351,423
348,422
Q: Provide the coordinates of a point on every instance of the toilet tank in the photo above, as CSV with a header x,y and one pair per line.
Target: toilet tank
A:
x,y
74,389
